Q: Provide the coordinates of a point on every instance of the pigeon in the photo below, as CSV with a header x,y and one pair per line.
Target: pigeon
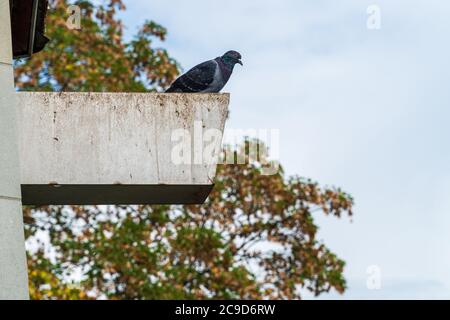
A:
x,y
208,77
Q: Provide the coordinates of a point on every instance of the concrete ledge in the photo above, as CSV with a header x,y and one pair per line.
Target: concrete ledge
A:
x,y
114,148
118,195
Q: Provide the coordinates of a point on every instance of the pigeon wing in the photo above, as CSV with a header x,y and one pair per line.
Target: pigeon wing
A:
x,y
197,79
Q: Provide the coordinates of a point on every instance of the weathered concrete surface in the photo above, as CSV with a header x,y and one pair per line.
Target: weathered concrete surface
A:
x,y
13,265
5,33
113,139
9,170
13,268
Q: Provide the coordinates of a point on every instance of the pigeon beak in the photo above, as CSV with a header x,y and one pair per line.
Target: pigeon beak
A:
x,y
240,62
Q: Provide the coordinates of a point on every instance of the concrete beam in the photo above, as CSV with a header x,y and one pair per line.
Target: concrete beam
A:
x,y
117,148
13,266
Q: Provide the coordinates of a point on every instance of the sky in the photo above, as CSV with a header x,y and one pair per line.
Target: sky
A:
x,y
363,109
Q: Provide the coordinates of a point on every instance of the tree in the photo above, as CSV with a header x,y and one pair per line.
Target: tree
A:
x,y
254,238
96,58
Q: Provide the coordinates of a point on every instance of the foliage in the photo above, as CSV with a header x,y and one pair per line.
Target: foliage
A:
x,y
96,58
254,238
250,221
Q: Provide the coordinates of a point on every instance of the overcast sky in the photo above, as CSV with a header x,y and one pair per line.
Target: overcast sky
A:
x,y
366,110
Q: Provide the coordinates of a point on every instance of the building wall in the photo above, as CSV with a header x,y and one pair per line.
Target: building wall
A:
x,y
13,269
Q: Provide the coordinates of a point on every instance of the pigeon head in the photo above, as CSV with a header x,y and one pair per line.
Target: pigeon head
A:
x,y
231,58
